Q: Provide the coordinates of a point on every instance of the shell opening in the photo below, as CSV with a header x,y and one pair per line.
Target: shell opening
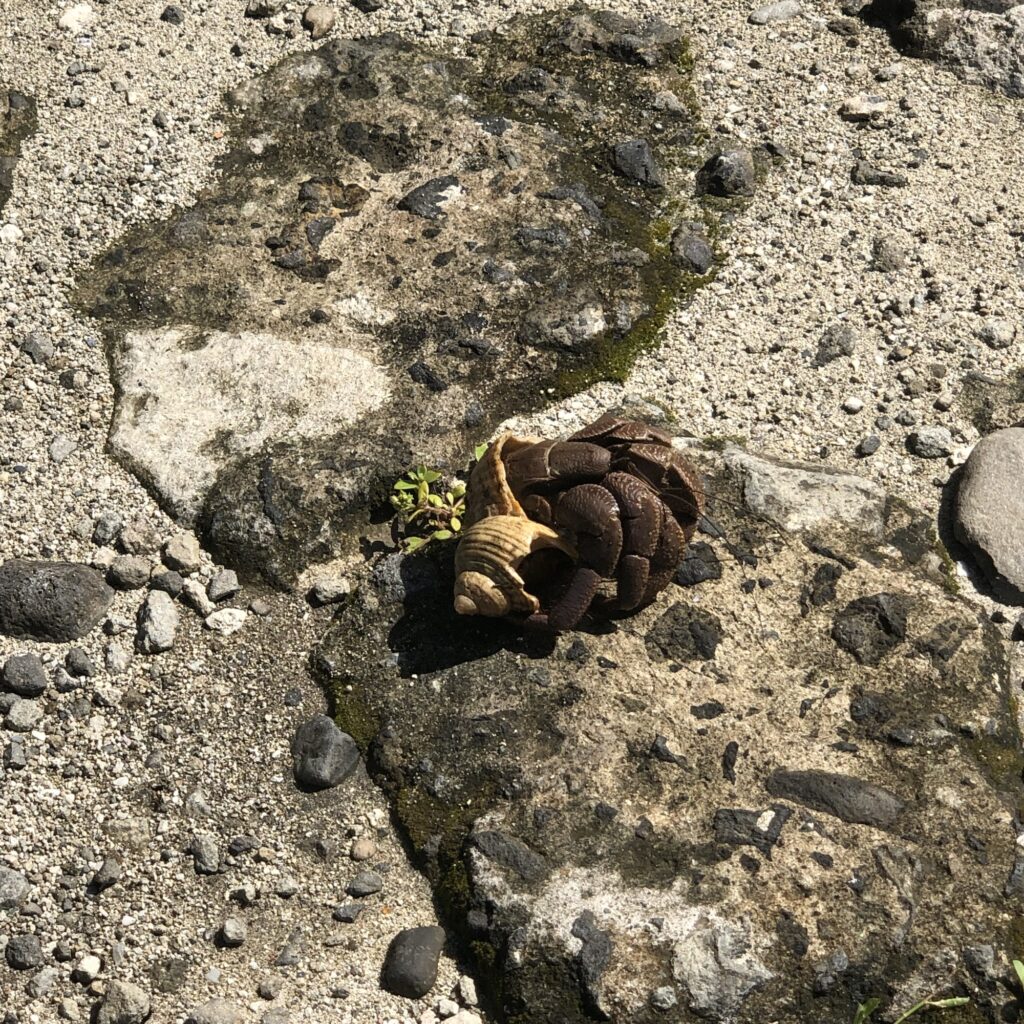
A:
x,y
475,594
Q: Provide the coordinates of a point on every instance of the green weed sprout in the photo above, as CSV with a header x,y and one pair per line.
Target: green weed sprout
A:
x,y
426,508
864,1010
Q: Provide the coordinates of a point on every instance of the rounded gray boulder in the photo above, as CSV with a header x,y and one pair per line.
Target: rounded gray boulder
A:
x,y
990,510
51,601
410,968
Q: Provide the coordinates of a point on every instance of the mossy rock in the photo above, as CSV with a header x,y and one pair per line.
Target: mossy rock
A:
x,y
594,820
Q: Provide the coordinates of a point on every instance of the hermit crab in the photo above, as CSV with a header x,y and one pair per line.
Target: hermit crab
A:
x,y
615,501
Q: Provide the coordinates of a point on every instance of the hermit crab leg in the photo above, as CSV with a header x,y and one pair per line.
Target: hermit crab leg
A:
x,y
674,480
591,513
671,542
572,605
641,515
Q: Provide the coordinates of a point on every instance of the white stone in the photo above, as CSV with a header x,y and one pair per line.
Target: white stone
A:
x,y
77,18
182,552
11,233
318,20
61,448
195,594
799,497
158,623
87,969
467,990
226,620
864,107
785,10
193,400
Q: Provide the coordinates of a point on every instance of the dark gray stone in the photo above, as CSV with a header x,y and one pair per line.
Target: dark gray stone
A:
x,y
366,883
223,585
760,829
169,582
51,601
839,340
512,854
24,675
865,173
870,627
410,968
930,443
591,960
728,173
699,564
868,445
107,528
169,976
24,952
205,855
324,756
684,633
708,710
108,874
691,248
79,664
348,913
635,161
843,796
425,200
293,951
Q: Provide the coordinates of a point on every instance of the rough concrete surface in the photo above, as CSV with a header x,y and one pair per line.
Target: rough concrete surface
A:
x,y
246,277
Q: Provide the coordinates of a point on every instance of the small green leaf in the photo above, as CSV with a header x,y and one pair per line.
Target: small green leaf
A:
x,y
1019,968
441,535
404,485
456,524
478,451
948,1004
435,500
864,1010
431,476
412,543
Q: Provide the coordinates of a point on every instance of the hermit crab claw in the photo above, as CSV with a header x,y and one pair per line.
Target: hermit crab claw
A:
x,y
487,580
